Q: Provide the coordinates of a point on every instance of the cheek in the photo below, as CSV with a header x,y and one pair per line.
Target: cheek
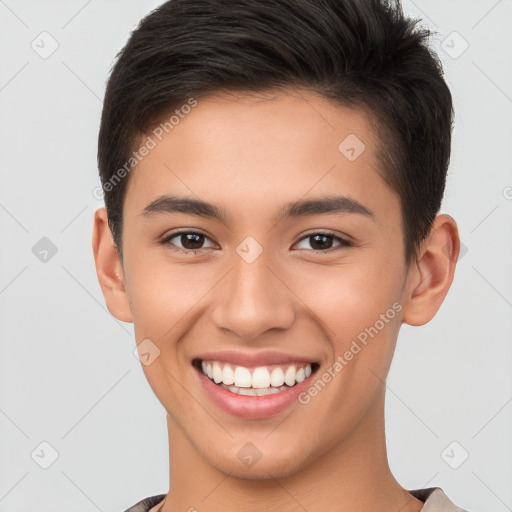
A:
x,y
364,320
162,295
348,298
360,309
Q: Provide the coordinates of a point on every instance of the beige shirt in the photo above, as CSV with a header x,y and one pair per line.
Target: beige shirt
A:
x,y
434,499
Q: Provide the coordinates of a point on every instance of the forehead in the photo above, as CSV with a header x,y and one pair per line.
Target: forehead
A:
x,y
265,148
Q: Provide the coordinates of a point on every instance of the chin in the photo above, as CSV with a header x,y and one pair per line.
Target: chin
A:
x,y
250,463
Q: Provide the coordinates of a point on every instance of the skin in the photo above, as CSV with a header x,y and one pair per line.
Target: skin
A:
x,y
250,155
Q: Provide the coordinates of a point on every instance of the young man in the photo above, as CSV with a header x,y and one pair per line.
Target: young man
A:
x,y
273,172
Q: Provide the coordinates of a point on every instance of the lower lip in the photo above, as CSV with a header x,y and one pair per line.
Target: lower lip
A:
x,y
252,407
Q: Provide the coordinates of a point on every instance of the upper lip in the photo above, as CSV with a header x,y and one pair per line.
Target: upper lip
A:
x,y
261,358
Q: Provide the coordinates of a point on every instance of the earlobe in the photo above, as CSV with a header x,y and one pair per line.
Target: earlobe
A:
x,y
431,276
109,268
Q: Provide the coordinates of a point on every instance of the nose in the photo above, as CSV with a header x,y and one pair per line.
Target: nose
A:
x,y
254,298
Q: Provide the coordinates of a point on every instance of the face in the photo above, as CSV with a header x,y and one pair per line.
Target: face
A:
x,y
292,271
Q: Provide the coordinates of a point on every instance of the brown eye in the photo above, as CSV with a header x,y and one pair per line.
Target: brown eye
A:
x,y
186,241
191,240
319,242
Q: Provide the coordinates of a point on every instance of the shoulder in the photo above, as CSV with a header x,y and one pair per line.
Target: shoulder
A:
x,y
146,504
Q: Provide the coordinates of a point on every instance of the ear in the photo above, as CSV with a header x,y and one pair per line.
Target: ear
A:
x,y
109,268
431,275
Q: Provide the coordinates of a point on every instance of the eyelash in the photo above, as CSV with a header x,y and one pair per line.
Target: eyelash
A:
x,y
344,243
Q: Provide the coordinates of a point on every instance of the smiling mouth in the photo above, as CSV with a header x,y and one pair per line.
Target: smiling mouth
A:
x,y
255,381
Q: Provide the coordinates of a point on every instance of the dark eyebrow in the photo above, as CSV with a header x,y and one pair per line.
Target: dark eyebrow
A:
x,y
329,204
171,204
301,208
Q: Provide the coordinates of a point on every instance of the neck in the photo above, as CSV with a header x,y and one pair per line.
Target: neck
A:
x,y
351,476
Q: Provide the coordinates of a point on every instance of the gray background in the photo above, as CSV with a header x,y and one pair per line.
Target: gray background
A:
x,y
68,375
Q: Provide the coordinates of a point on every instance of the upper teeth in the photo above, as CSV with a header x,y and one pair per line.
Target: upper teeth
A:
x,y
259,377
